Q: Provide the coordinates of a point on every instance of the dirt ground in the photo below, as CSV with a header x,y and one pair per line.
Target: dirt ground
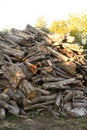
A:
x,y
44,121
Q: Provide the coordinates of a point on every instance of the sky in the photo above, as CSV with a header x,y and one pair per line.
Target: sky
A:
x,y
19,13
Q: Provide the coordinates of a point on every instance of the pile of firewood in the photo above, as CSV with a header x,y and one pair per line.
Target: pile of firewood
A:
x,y
40,72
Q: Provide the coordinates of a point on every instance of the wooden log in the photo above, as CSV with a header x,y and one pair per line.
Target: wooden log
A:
x,y
14,75
39,105
20,40
2,114
61,84
57,54
14,52
31,29
13,95
68,66
74,47
79,104
4,97
24,101
68,96
30,90
44,98
10,108
31,66
55,85
20,33
66,51
58,99
42,91
61,72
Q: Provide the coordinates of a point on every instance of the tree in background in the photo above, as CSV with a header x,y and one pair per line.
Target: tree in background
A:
x,y
59,26
41,24
77,25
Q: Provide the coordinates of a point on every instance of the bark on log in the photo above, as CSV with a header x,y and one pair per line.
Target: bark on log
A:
x,y
58,55
14,52
42,91
58,99
13,95
39,105
31,29
44,98
14,74
2,113
60,85
20,40
30,90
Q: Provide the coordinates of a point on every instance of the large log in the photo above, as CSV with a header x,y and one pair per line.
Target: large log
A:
x,y
10,108
29,89
60,85
14,52
21,34
31,29
57,54
14,75
20,40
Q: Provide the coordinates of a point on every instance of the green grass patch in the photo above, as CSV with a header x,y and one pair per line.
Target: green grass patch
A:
x,y
6,128
11,117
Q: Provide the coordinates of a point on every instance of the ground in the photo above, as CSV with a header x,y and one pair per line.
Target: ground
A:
x,y
43,121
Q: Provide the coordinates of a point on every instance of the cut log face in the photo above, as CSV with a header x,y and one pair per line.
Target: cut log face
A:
x,y
41,71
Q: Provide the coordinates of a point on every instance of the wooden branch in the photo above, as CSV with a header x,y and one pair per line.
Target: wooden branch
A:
x,y
57,54
39,105
60,84
58,99
30,90
42,91
44,98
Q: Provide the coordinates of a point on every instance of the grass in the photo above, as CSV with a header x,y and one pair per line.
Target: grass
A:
x,y
11,117
6,128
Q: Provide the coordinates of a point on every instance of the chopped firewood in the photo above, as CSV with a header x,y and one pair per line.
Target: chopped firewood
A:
x,y
39,71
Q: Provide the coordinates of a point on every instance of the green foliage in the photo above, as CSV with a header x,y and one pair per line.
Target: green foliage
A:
x,y
41,24
59,27
75,24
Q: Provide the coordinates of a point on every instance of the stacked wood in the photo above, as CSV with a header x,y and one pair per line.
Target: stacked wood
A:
x,y
40,71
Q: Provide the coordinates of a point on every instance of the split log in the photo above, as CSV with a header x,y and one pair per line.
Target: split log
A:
x,y
74,47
